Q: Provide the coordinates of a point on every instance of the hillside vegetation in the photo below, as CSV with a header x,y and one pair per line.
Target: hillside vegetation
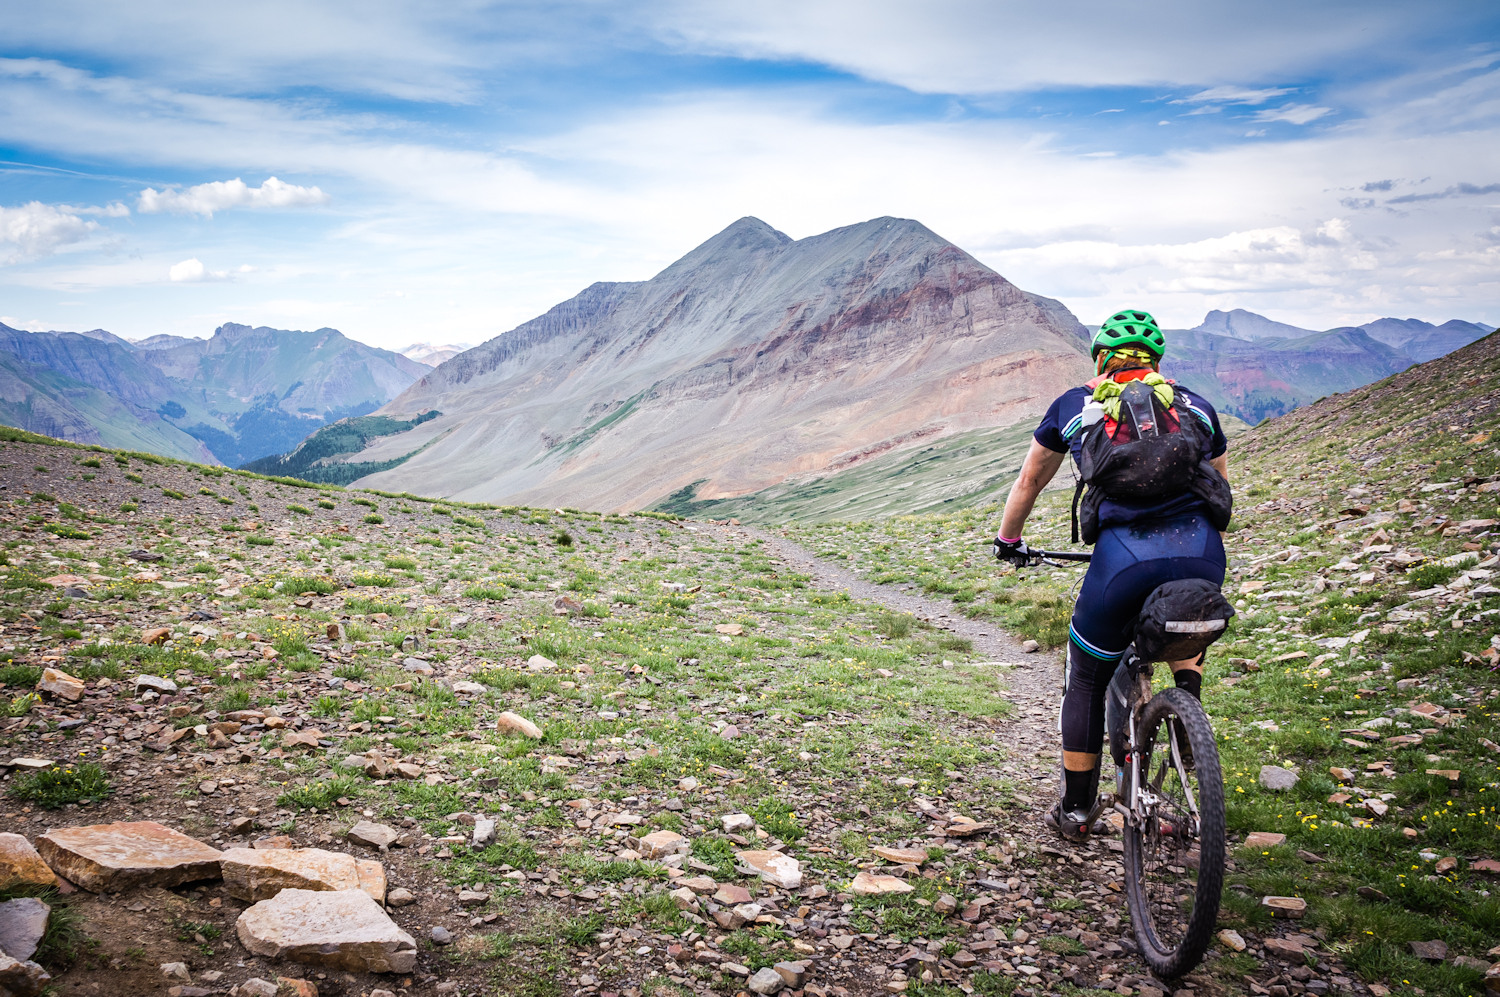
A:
x,y
1362,560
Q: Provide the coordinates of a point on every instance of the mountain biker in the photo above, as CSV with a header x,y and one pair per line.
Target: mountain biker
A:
x,y
1139,547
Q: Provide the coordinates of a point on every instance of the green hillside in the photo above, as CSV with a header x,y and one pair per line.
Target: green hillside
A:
x,y
1363,560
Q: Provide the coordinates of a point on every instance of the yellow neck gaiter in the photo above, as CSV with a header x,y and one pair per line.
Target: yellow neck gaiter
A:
x,y
1108,393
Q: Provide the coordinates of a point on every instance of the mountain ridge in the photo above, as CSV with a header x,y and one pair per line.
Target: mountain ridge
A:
x,y
242,393
821,347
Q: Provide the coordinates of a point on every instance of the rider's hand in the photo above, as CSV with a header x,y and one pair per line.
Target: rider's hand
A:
x,y
1013,551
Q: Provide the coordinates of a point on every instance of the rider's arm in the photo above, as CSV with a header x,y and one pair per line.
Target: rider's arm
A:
x,y
1221,464
1038,468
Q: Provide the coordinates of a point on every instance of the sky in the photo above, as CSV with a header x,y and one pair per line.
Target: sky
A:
x,y
409,171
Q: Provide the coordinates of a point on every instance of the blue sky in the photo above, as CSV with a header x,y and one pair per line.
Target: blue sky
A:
x,y
443,172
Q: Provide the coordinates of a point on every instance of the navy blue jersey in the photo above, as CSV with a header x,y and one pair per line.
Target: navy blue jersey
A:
x,y
1061,431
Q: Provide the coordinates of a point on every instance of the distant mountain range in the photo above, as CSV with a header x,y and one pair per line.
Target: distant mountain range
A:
x,y
431,355
756,368
241,394
1255,368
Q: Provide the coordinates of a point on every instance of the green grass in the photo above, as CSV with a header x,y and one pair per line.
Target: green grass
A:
x,y
56,787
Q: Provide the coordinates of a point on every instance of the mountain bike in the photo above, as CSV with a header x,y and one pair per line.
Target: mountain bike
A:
x,y
1169,794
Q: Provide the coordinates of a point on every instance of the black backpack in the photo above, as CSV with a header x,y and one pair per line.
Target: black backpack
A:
x,y
1151,453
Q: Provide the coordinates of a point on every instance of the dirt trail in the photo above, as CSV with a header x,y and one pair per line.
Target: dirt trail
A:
x,y
1035,679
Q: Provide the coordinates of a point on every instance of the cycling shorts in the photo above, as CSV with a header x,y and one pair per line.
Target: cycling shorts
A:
x,y
1129,562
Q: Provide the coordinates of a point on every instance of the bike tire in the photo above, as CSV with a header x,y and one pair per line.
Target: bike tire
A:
x,y
1173,944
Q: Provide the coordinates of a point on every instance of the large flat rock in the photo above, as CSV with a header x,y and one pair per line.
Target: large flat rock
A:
x,y
256,874
20,865
114,857
344,929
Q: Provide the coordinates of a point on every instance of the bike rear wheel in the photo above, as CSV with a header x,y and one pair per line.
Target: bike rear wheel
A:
x,y
1174,845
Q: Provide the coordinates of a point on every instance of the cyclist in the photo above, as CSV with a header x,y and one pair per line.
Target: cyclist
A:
x,y
1139,547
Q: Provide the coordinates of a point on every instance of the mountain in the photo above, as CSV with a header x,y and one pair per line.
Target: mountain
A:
x,y
241,394
1257,368
1423,341
1240,324
752,358
1261,379
431,355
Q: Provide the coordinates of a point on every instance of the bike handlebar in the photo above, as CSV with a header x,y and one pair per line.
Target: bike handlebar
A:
x,y
1061,555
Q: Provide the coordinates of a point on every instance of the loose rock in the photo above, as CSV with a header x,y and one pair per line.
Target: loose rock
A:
x,y
23,922
373,835
344,929
774,867
116,857
1276,778
514,723
20,865
256,874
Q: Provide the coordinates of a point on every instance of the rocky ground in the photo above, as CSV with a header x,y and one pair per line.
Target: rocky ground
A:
x,y
360,742
585,754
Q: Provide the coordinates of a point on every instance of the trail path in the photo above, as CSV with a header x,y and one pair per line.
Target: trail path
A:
x,y
1035,679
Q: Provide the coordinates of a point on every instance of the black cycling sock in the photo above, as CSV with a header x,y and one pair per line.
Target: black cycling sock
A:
x,y
1079,789
1190,680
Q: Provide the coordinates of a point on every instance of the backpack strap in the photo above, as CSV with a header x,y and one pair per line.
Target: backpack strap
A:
x,y
1077,494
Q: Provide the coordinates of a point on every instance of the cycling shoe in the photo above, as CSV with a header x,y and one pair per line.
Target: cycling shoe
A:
x,y
1073,825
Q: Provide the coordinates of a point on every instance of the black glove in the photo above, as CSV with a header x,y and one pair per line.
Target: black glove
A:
x,y
1014,551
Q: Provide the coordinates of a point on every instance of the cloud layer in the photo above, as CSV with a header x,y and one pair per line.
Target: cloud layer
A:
x,y
474,163
206,198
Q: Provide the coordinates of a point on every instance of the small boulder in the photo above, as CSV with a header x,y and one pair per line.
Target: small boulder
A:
x,y
23,922
537,663
737,823
773,867
255,874
1292,907
766,981
1433,951
1264,839
1232,940
1276,778
21,977
400,897
60,684
514,723
900,856
867,884
20,865
164,687
344,930
660,844
373,835
484,833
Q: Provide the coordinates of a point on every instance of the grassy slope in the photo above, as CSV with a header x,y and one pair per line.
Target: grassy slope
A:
x,y
1329,624
643,670
953,472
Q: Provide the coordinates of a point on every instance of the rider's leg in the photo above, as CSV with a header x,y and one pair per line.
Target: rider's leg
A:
x,y
1189,675
1089,672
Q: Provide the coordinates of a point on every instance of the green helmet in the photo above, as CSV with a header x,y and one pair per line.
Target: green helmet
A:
x,y
1129,328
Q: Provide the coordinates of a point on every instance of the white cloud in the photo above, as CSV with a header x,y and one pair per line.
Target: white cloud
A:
x,y
35,229
1297,114
220,195
192,271
981,46
1235,95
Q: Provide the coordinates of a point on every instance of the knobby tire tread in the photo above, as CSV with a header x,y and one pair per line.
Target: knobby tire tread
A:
x,y
1176,962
